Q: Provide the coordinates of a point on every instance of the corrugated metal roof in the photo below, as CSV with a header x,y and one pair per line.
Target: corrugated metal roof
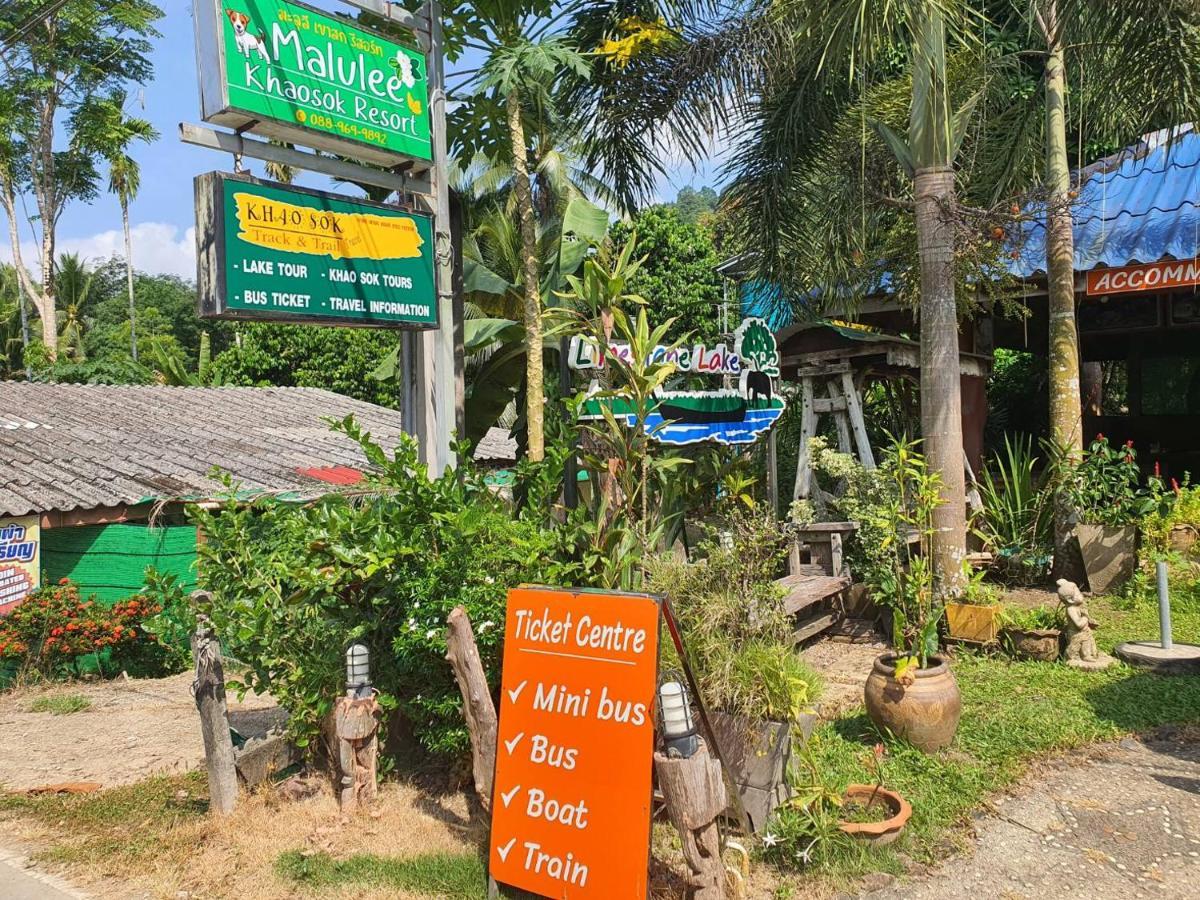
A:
x,y
69,447
1137,207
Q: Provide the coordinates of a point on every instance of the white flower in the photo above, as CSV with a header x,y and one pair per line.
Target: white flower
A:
x,y
488,579
769,840
486,625
417,605
805,855
430,633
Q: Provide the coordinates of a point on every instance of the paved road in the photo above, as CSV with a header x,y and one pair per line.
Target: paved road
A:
x,y
1122,822
18,882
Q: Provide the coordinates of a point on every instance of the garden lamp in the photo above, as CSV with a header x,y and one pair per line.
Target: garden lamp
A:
x,y
678,727
358,671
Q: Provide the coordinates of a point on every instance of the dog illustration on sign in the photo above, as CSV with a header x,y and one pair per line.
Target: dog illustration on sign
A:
x,y
246,42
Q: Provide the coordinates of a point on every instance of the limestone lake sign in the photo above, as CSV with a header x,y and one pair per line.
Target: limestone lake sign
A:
x,y
287,71
571,804
735,415
284,254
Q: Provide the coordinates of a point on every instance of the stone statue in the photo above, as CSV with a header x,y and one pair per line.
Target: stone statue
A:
x,y
1081,651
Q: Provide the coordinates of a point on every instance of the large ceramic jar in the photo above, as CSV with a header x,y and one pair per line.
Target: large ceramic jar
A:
x,y
924,713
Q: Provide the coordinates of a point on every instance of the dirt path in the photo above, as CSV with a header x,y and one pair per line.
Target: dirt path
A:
x,y
1120,821
132,729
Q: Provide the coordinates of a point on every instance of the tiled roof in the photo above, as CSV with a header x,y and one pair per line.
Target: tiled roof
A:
x,y
70,447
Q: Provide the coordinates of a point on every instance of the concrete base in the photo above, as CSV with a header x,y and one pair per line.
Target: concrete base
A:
x,y
1181,659
1099,664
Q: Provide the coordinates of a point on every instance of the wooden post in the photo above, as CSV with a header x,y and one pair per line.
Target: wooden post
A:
x,y
357,726
209,690
480,712
695,796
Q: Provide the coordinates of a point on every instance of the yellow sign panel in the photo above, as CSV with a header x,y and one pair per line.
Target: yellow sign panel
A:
x,y
20,560
277,225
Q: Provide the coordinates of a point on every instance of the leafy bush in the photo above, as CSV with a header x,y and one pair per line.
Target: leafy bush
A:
x,y
1105,487
1177,507
734,627
294,585
56,633
1037,618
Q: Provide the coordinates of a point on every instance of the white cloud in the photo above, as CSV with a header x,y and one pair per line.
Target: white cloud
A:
x,y
158,248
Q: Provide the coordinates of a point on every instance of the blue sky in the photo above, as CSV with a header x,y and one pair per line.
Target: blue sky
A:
x,y
162,214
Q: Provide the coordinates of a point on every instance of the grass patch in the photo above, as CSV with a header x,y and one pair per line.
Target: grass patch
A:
x,y
1013,713
60,704
455,876
122,824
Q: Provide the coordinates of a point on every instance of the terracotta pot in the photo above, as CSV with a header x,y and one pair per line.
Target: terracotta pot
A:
x,y
877,833
1040,644
924,713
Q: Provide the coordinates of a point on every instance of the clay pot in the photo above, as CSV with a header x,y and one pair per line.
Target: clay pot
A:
x,y
1038,644
924,713
877,833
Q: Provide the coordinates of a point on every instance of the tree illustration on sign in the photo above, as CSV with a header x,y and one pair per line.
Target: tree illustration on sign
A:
x,y
756,346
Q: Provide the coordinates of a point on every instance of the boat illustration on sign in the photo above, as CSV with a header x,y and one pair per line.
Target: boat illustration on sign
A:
x,y
727,415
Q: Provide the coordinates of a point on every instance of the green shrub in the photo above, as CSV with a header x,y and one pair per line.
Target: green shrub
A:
x,y
1037,618
735,630
1017,520
294,584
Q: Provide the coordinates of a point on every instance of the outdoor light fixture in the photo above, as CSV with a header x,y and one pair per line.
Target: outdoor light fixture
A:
x,y
678,728
358,671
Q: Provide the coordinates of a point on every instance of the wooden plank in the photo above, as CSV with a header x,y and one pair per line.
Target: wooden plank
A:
x,y
808,429
840,418
822,405
813,626
865,456
813,589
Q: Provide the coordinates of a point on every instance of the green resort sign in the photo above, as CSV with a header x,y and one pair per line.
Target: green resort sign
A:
x,y
293,73
268,251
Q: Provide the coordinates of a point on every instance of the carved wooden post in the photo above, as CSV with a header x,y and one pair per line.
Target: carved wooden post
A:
x,y
478,708
209,690
695,795
358,749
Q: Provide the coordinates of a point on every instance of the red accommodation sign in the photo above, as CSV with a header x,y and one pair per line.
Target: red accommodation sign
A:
x,y
1149,277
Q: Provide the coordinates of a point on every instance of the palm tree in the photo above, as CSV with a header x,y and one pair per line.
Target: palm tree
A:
x,y
114,132
72,287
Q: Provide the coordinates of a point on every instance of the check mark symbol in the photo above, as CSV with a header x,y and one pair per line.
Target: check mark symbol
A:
x,y
505,850
507,798
516,692
511,745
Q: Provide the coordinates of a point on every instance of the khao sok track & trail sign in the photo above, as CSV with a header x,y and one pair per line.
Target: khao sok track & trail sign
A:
x,y
726,415
574,755
290,72
283,254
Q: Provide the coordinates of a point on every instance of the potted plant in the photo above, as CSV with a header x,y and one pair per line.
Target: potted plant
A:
x,y
1032,633
976,618
1104,491
737,633
911,691
872,813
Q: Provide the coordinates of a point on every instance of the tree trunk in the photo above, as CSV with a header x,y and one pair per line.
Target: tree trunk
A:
x,y
534,388
214,719
129,278
463,655
47,304
941,401
1066,416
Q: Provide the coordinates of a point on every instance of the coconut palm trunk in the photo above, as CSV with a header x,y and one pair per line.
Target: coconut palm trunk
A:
x,y
133,348
941,397
1066,411
534,391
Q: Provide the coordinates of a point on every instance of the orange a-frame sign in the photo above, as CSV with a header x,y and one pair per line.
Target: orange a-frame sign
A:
x,y
571,806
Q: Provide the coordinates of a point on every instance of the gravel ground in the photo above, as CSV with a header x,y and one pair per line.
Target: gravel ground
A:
x,y
132,729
